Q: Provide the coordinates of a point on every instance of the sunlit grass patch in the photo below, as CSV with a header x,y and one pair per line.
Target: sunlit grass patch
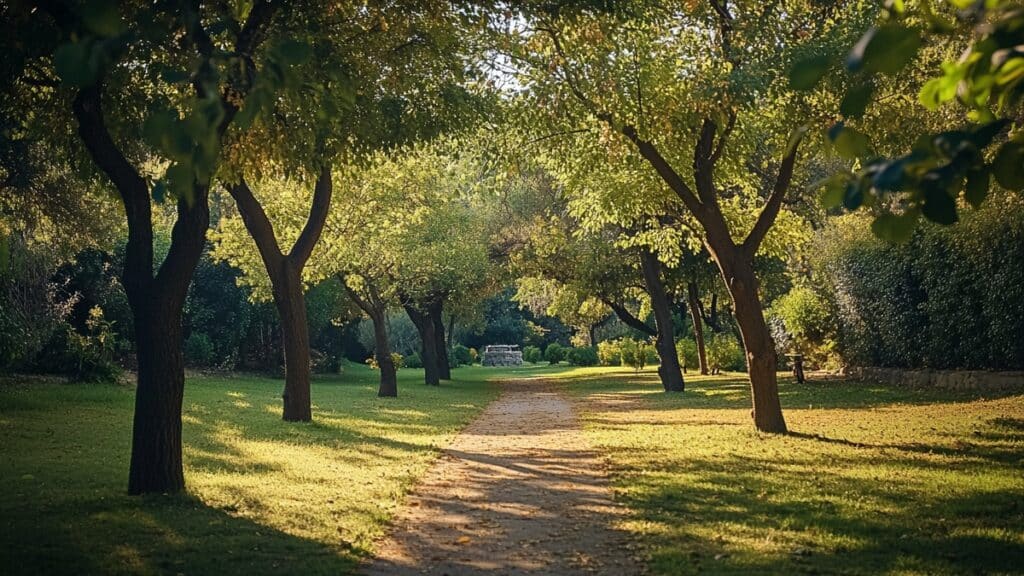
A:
x,y
264,496
873,479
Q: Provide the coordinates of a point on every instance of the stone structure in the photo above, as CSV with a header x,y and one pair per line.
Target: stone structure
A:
x,y
502,355
945,379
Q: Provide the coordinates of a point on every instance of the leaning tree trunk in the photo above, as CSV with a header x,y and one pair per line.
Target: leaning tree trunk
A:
x,y
444,364
428,346
382,351
698,326
739,277
291,309
669,370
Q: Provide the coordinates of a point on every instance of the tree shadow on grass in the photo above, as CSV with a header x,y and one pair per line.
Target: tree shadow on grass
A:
x,y
770,524
163,535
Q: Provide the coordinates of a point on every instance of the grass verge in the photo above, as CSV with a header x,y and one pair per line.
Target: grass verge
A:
x,y
872,480
264,496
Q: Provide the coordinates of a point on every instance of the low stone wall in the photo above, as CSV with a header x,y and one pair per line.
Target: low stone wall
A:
x,y
945,379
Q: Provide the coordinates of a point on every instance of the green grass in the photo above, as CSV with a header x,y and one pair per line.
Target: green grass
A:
x,y
873,479
264,496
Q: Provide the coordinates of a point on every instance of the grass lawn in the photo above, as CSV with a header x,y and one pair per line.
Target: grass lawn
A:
x,y
873,480
264,496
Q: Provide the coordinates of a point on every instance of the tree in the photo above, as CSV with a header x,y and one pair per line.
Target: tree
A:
x,y
613,77
118,65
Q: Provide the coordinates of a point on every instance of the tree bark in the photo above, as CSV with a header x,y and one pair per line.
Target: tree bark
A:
x,y
444,365
424,323
669,370
698,326
382,350
739,276
374,307
285,273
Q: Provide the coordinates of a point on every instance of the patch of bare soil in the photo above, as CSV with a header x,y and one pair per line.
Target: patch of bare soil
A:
x,y
519,491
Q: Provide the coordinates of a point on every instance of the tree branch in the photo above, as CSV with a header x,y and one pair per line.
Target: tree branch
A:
x,y
257,223
628,318
314,226
771,208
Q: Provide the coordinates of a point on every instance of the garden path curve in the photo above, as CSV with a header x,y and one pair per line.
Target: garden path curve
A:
x,y
519,491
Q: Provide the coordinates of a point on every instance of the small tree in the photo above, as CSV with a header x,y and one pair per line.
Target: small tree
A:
x,y
532,354
554,353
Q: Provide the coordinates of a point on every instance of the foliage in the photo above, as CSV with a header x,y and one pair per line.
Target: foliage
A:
x,y
947,298
637,353
686,349
397,359
554,353
413,360
609,352
725,353
808,322
199,350
462,355
532,354
582,356
958,161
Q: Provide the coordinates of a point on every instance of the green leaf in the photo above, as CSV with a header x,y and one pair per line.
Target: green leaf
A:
x,y
834,193
886,49
856,100
895,227
73,64
978,182
806,73
938,205
849,143
1008,167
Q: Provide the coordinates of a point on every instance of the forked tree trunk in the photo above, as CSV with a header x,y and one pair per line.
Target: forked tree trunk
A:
x,y
444,364
291,309
285,273
428,346
698,326
669,370
382,351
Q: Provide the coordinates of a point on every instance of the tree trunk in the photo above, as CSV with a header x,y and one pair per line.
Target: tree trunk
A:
x,y
669,370
382,351
739,277
156,430
698,327
428,346
444,365
291,309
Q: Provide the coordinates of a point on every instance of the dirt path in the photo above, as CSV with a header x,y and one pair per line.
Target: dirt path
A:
x,y
519,491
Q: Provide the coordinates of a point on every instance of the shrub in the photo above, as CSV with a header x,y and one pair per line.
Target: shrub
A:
x,y
413,360
461,355
637,353
687,351
554,353
474,356
725,353
532,354
582,356
609,352
397,359
199,350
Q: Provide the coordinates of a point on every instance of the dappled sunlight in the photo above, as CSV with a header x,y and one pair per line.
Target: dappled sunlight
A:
x,y
880,482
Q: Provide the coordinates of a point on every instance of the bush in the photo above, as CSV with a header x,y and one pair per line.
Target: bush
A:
x,y
688,356
609,352
554,353
474,356
397,359
725,353
461,355
532,354
637,353
413,360
199,350
582,356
